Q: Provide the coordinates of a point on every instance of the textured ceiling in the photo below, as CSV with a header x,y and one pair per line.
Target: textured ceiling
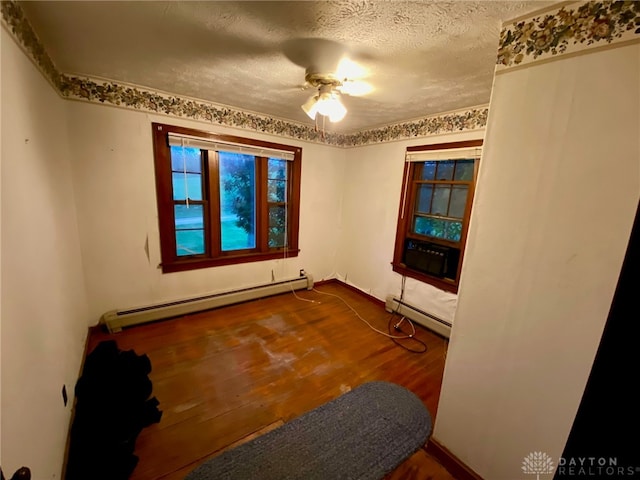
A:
x,y
421,58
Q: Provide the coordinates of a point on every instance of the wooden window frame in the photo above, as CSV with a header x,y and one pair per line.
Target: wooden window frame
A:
x,y
213,255
405,215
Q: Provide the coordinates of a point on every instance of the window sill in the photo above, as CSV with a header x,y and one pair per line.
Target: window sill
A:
x,y
198,263
441,283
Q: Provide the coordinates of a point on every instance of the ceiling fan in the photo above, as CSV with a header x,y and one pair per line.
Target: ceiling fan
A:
x,y
330,70
327,100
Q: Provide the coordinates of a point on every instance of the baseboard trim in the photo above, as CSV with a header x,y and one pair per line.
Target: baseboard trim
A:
x,y
371,298
325,282
450,462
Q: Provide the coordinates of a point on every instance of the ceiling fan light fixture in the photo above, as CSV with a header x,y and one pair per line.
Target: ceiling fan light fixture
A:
x,y
326,103
310,107
333,108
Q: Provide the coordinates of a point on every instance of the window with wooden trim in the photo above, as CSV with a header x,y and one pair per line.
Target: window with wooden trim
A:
x,y
224,199
438,186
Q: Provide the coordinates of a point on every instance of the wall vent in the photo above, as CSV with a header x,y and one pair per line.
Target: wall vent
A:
x,y
441,327
116,320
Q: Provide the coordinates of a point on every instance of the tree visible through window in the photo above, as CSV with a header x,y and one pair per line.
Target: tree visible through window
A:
x,y
237,201
277,201
224,199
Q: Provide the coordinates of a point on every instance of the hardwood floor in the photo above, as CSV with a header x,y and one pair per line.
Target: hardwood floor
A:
x,y
227,375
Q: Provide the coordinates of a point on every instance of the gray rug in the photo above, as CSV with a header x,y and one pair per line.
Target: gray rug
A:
x,y
363,434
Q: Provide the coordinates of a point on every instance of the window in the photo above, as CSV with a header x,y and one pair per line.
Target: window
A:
x,y
438,186
224,199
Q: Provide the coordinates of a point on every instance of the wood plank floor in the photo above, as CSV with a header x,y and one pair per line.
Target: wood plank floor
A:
x,y
227,375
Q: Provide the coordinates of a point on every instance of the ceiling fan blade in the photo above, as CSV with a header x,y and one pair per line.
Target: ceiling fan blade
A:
x,y
350,69
356,88
317,55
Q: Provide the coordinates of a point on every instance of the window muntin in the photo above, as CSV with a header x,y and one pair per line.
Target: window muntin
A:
x,y
439,181
218,207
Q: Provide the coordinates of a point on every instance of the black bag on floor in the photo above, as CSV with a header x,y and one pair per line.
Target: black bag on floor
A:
x,y
112,407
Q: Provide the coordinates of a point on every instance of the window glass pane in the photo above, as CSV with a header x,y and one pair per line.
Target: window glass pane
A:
x,y
431,227
464,170
437,228
184,185
428,170
189,217
277,190
453,231
445,169
424,198
237,201
186,158
420,225
189,242
458,201
189,223
277,180
440,204
277,225
277,168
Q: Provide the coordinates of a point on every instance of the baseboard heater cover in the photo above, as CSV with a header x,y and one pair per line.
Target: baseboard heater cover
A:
x,y
425,319
116,320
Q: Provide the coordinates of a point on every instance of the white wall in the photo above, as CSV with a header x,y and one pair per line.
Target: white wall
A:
x,y
558,189
370,213
44,310
117,214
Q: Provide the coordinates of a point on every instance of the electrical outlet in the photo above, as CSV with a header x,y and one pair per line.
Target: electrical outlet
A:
x,y
302,272
65,399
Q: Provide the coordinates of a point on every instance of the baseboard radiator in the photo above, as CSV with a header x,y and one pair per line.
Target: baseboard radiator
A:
x,y
116,320
425,319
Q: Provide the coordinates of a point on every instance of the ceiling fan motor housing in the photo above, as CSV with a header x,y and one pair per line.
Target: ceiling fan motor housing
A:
x,y
322,79
327,101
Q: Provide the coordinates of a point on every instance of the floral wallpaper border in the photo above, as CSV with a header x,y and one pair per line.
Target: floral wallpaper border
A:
x,y
572,28
18,25
139,98
471,119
